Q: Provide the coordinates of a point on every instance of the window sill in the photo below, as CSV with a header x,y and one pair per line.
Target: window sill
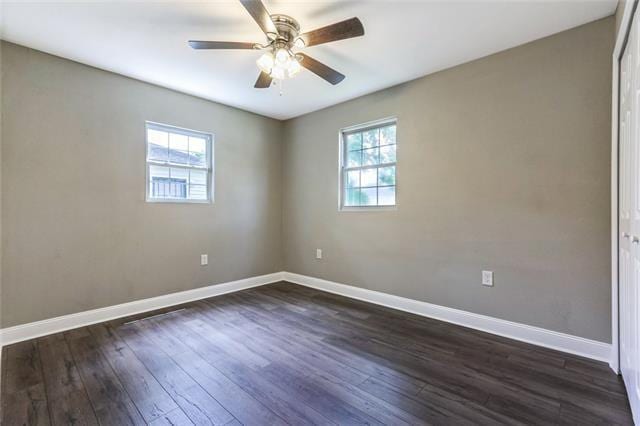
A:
x,y
368,209
165,201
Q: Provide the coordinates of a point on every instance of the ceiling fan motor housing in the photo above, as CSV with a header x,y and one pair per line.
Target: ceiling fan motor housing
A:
x,y
288,28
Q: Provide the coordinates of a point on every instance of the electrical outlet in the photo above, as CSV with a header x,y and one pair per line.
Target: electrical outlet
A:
x,y
204,259
487,278
318,253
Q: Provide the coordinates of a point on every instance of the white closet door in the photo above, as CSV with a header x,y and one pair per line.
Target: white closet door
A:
x,y
629,217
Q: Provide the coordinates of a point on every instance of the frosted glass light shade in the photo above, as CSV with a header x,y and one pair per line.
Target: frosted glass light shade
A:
x,y
277,72
282,56
294,67
265,63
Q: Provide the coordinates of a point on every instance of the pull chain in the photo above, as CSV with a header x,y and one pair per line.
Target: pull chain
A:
x,y
279,83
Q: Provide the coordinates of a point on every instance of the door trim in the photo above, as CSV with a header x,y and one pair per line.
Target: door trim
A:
x,y
618,49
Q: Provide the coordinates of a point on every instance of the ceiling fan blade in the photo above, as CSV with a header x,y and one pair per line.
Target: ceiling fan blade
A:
x,y
264,81
338,31
199,44
320,69
259,13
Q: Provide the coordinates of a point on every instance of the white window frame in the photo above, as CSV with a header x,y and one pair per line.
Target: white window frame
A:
x,y
342,168
209,166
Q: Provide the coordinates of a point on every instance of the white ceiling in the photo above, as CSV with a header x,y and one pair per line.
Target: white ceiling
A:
x,y
403,40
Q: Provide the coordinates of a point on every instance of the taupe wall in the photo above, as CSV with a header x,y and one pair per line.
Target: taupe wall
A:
x,y
78,233
503,164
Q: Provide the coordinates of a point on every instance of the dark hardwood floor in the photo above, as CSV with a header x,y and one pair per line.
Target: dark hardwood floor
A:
x,y
286,354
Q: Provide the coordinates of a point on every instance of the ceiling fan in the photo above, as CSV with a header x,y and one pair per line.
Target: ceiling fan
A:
x,y
283,37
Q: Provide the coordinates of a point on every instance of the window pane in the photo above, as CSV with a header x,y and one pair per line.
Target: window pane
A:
x,y
388,154
178,157
197,192
158,145
178,142
190,177
365,182
370,156
197,144
353,179
388,135
158,171
368,197
178,173
198,177
370,138
178,183
352,197
368,177
387,196
178,148
158,137
164,183
387,176
354,158
354,141
197,151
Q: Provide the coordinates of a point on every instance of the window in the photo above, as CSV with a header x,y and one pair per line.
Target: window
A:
x,y
178,164
368,169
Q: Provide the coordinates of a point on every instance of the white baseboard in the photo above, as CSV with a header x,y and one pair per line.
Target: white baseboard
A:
x,y
67,322
526,333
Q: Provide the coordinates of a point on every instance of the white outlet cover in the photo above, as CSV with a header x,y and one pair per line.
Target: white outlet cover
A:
x,y
204,259
318,253
487,278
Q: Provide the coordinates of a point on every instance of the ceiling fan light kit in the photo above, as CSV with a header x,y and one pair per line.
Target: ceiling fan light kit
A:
x,y
287,64
281,59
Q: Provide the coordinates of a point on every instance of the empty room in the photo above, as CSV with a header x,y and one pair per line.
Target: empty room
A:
x,y
285,212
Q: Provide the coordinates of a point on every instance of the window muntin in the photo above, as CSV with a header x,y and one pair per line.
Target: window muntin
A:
x,y
368,169
178,164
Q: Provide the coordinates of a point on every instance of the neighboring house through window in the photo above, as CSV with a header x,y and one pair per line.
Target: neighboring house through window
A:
x,y
368,165
179,164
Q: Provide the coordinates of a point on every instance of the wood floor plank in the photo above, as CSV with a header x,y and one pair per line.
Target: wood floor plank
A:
x,y
241,400
460,384
245,376
259,338
236,400
330,376
457,382
144,390
197,404
24,396
176,417
313,394
598,371
108,397
25,407
298,386
282,325
286,354
23,366
68,400
434,412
